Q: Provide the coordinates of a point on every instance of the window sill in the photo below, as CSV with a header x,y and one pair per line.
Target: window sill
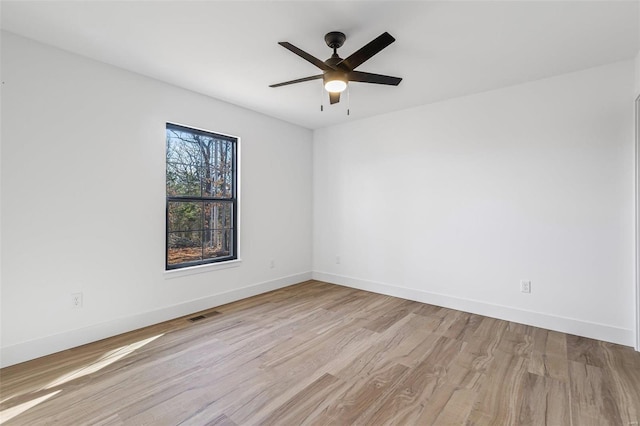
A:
x,y
199,269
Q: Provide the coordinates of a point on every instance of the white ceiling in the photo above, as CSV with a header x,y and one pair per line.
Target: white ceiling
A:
x,y
228,49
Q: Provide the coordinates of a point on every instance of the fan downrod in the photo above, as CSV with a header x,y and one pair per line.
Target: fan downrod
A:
x,y
335,39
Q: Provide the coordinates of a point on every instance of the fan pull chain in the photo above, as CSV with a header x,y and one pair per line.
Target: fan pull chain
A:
x,y
348,99
321,98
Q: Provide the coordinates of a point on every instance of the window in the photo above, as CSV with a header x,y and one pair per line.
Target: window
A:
x,y
202,208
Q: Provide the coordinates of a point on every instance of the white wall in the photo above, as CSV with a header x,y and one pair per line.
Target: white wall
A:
x,y
454,203
83,201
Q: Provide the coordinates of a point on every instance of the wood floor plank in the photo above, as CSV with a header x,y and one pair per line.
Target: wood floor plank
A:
x,y
405,404
363,393
462,328
453,402
455,411
398,343
221,420
544,401
501,391
622,375
516,343
549,366
592,402
306,404
387,316
549,355
584,350
318,353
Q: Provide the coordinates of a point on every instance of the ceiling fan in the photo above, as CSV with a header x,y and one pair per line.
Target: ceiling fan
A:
x,y
337,72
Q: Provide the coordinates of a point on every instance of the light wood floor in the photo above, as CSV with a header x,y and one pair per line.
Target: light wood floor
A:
x,y
317,353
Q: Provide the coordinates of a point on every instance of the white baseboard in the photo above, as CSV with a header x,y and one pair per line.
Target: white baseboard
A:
x,y
36,348
592,330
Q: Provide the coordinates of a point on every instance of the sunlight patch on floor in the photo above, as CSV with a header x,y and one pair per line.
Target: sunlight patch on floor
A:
x,y
105,360
9,413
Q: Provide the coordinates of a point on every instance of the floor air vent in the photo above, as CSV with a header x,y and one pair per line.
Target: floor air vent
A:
x,y
203,316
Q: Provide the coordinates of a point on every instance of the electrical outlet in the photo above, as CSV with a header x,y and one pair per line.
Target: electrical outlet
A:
x,y
76,300
525,286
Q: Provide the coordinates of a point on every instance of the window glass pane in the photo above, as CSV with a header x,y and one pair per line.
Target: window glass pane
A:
x,y
183,147
217,176
217,229
217,243
184,164
185,216
183,179
184,247
218,215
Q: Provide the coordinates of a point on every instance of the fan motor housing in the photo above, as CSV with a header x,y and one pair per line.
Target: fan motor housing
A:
x,y
334,75
333,60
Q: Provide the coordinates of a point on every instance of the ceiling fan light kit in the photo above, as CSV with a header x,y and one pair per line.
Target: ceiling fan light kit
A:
x,y
338,72
335,81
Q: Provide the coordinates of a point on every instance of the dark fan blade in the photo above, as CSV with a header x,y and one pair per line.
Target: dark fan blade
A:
x,y
304,55
367,77
300,80
334,97
366,52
